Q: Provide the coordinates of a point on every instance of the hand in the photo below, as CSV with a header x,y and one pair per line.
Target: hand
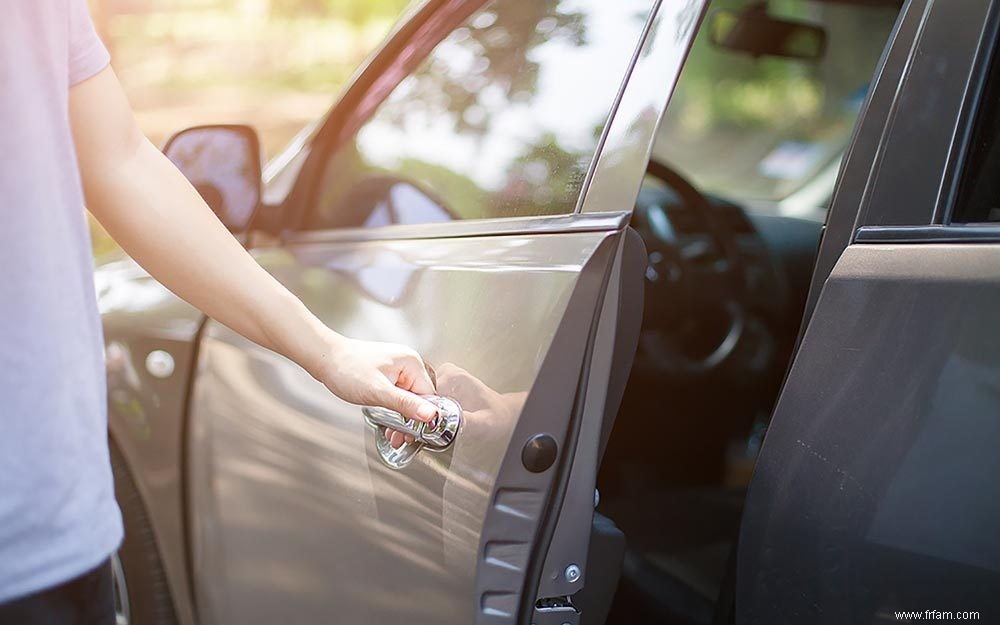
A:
x,y
378,374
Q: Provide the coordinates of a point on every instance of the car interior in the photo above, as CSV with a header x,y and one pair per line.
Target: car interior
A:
x,y
731,214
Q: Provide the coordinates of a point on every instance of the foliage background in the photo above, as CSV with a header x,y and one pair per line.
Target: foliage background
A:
x,y
273,64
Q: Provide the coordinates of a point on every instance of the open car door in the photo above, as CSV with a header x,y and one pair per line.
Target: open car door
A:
x,y
470,197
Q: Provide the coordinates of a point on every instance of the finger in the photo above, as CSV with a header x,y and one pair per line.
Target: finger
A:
x,y
431,374
409,439
415,376
397,440
408,404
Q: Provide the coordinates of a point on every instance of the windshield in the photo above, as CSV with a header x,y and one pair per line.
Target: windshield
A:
x,y
760,129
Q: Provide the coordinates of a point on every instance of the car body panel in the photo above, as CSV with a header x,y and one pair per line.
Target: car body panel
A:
x,y
875,490
294,515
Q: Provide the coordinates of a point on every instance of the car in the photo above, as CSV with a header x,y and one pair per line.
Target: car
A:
x,y
708,293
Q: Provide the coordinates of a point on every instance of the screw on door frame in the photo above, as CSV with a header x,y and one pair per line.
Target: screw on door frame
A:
x,y
572,573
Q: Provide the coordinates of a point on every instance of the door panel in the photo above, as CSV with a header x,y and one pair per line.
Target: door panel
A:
x,y
876,487
146,412
295,517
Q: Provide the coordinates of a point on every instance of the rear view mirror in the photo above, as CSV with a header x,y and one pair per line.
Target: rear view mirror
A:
x,y
753,31
224,165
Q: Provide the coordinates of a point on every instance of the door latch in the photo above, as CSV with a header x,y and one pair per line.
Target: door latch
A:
x,y
436,435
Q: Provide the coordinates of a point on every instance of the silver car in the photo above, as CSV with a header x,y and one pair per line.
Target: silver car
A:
x,y
630,309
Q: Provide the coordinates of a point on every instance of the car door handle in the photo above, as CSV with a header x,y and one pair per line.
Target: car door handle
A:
x,y
436,435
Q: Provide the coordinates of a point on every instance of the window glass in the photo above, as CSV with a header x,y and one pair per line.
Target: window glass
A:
x,y
763,130
500,120
979,193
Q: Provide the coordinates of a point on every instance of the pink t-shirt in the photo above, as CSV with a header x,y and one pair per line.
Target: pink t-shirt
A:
x,y
58,516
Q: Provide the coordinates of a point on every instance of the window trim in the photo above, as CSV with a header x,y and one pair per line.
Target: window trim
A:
x,y
985,62
501,226
932,233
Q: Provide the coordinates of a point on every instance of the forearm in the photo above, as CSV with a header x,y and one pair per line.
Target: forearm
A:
x,y
152,211
155,214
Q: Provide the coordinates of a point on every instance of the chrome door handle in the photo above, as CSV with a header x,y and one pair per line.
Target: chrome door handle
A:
x,y
436,435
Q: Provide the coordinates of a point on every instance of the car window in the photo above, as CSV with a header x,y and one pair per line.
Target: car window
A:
x,y
501,119
979,190
763,130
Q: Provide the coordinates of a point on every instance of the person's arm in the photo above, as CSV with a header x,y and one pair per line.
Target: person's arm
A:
x,y
155,214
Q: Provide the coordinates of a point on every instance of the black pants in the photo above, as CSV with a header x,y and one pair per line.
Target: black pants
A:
x,y
86,600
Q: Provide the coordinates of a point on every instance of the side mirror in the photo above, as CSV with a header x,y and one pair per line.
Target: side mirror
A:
x,y
753,31
224,165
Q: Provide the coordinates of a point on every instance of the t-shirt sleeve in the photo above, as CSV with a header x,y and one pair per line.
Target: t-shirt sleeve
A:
x,y
87,54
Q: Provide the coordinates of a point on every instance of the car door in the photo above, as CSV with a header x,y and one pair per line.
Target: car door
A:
x,y
874,499
469,197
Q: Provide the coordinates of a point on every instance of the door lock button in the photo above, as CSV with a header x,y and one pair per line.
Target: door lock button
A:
x,y
539,453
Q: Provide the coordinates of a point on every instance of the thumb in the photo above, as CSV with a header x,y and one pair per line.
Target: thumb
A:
x,y
408,404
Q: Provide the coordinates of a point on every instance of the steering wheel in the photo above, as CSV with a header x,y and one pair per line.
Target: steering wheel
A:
x,y
695,304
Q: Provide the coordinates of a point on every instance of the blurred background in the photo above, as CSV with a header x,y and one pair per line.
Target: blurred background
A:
x,y
273,64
